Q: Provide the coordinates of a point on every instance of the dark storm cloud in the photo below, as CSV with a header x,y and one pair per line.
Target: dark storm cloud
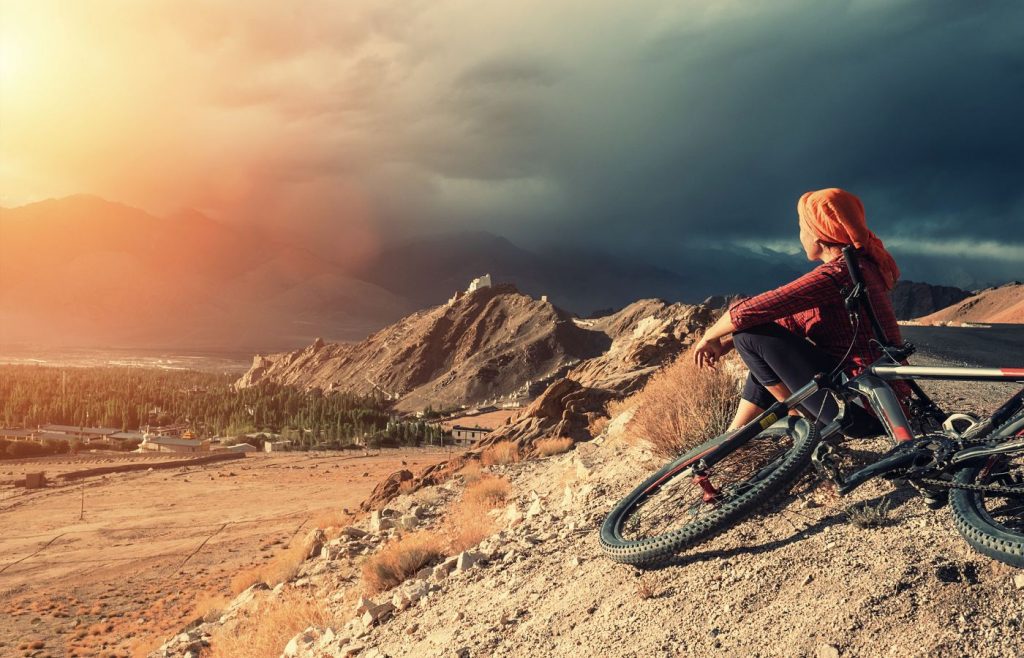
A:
x,y
681,133
712,129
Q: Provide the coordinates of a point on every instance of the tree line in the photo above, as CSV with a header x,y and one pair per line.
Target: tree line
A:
x,y
132,398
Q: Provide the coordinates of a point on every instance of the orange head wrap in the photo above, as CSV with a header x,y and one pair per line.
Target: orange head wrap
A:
x,y
837,216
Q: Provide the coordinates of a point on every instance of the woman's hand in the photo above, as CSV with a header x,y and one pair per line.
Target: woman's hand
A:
x,y
708,351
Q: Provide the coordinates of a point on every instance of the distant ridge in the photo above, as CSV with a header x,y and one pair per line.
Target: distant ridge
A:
x,y
83,272
911,299
998,305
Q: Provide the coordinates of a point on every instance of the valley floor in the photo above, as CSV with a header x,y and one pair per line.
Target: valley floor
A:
x,y
118,578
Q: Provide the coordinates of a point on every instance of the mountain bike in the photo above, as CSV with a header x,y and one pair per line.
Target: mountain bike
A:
x,y
976,465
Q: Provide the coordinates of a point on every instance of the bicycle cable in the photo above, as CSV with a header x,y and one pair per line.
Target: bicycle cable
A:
x,y
842,361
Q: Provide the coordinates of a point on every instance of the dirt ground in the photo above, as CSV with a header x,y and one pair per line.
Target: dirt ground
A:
x,y
118,578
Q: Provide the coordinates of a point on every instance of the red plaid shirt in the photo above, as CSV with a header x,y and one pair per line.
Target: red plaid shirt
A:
x,y
812,306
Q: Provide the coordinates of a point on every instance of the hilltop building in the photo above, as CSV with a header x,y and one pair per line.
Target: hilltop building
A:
x,y
480,282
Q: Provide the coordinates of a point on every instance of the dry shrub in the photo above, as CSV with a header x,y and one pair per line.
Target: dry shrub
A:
x,y
682,406
282,568
263,635
144,644
429,496
548,447
865,515
488,492
401,558
332,519
468,521
646,588
208,606
471,472
245,579
505,452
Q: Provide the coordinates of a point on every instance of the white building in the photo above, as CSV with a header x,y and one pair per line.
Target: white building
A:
x,y
480,282
462,435
172,444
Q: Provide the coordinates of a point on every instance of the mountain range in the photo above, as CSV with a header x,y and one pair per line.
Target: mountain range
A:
x,y
82,271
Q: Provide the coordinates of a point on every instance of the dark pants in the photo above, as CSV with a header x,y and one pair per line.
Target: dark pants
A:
x,y
774,354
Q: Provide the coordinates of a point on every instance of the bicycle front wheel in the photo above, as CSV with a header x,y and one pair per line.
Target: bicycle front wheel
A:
x,y
676,508
992,522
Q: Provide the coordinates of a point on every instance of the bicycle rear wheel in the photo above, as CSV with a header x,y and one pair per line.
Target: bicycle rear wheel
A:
x,y
676,508
992,523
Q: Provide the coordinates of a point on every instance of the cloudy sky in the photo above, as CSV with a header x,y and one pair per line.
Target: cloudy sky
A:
x,y
655,129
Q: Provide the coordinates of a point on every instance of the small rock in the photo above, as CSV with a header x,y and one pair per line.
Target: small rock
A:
x,y
401,600
810,503
467,559
352,532
379,521
512,514
363,604
1018,581
377,614
536,508
828,651
808,579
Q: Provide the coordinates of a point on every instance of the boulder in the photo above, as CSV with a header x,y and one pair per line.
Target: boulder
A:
x,y
315,540
379,521
466,559
386,490
560,411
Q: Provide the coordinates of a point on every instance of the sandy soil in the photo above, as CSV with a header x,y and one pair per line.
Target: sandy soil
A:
x,y
122,576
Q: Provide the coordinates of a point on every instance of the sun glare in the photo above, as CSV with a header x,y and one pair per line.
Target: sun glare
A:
x,y
10,62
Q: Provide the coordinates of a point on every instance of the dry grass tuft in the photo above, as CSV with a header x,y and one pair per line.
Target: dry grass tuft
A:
x,y
400,559
471,472
280,569
332,521
208,606
548,447
864,515
487,492
468,521
646,588
428,496
682,406
263,635
505,452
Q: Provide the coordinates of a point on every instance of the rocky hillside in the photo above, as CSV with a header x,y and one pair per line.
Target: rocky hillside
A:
x,y
801,582
489,344
1002,304
911,299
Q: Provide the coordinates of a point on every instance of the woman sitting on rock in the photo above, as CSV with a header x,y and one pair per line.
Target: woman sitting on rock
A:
x,y
787,335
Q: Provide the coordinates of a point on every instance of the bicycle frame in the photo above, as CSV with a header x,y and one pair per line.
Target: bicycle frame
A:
x,y
871,386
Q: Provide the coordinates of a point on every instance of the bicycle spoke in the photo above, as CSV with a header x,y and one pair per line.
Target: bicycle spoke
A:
x,y
682,500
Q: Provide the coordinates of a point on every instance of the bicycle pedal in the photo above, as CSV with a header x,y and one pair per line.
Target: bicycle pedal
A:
x,y
823,461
